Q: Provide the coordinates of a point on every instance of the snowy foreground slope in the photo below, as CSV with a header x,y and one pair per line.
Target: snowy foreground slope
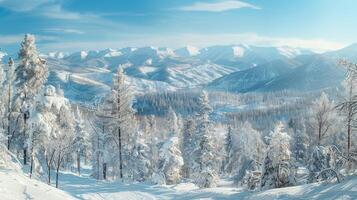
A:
x,y
15,185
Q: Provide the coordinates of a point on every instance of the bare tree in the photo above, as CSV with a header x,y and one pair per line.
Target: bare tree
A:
x,y
322,118
349,104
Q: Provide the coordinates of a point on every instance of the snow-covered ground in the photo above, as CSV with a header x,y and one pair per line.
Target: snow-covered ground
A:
x,y
15,185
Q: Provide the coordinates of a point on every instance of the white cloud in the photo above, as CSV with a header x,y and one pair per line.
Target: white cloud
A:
x,y
56,11
17,38
63,30
219,6
10,39
23,5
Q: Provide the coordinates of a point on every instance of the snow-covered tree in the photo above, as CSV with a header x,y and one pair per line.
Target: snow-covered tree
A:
x,y
246,153
31,74
8,87
122,115
318,162
322,117
205,150
141,159
228,147
188,147
348,105
100,137
170,162
51,136
65,137
277,170
300,140
82,142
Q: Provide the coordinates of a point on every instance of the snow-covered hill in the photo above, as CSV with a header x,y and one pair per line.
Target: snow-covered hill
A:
x,y
17,186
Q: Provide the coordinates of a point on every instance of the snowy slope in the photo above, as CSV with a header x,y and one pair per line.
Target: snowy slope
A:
x,y
84,187
246,80
17,186
318,73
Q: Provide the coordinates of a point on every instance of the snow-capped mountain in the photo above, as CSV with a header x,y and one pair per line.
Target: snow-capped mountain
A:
x,y
237,68
187,51
302,72
2,55
249,79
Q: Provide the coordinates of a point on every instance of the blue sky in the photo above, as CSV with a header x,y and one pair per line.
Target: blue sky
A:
x,y
71,25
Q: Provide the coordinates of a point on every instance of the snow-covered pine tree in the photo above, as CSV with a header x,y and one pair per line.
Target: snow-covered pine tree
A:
x,y
300,140
2,105
277,170
122,114
172,123
246,153
31,74
228,147
318,162
8,87
141,159
188,147
170,162
205,150
100,137
82,142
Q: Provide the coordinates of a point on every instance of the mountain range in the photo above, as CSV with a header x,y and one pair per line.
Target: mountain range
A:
x,y
85,75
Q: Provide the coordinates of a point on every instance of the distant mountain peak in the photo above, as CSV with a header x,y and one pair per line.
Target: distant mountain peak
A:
x,y
187,51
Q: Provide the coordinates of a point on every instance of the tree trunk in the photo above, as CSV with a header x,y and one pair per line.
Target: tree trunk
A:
x,y
349,130
25,148
79,163
104,171
25,156
57,172
31,166
49,174
9,117
120,154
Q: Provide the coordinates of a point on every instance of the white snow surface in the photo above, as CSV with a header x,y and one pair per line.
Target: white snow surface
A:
x,y
15,185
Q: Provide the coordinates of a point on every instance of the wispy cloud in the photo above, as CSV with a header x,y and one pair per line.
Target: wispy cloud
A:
x,y
64,30
23,5
56,11
17,38
10,39
218,6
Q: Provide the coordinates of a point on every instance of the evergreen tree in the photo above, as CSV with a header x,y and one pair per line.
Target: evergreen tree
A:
x,y
206,153
188,147
8,87
82,143
31,74
141,159
170,162
277,170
